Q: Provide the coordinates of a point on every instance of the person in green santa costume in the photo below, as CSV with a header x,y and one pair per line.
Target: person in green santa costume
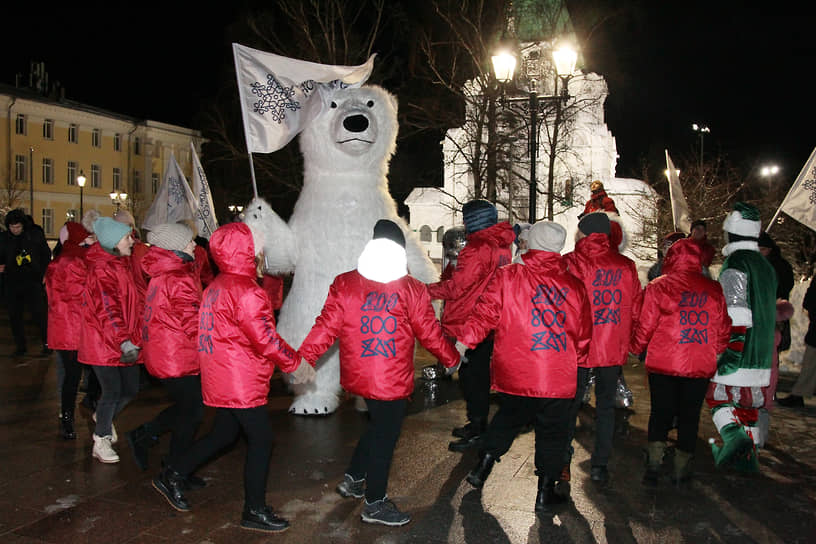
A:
x,y
735,394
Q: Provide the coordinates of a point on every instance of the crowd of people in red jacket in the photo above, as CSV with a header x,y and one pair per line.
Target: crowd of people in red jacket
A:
x,y
201,320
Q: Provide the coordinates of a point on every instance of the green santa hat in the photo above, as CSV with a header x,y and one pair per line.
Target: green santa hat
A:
x,y
744,221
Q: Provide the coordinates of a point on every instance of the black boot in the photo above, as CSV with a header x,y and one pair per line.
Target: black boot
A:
x,y
170,484
792,401
481,471
472,435
546,497
67,426
263,519
140,441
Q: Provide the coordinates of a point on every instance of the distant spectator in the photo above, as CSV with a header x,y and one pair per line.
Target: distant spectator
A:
x,y
598,200
24,256
699,235
783,269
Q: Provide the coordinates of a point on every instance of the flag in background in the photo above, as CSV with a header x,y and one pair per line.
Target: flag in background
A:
x,y
800,202
206,222
679,206
278,94
174,201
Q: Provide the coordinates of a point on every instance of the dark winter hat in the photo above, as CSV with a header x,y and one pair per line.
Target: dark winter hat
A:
x,y
390,230
170,236
765,240
15,217
109,232
478,215
698,223
594,222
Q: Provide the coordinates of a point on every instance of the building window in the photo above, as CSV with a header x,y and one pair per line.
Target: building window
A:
x,y
73,133
48,129
154,182
72,172
48,220
440,234
137,146
117,179
96,176
72,215
424,233
96,138
20,124
48,171
117,142
137,182
19,168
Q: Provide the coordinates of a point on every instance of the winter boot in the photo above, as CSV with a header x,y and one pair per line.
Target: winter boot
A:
x,y
384,512
263,519
654,459
102,449
546,497
140,440
481,471
736,445
67,426
350,487
114,436
682,467
170,484
473,433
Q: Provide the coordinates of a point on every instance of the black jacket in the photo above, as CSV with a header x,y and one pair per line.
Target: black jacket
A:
x,y
26,257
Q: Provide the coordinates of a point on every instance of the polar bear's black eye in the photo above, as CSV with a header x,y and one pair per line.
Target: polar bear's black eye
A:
x,y
370,103
334,104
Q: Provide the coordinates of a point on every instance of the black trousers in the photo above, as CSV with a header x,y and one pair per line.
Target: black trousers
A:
x,y
676,396
181,418
375,450
228,423
549,417
29,295
70,385
606,382
474,379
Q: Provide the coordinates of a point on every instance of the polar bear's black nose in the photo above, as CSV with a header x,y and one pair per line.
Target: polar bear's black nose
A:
x,y
355,123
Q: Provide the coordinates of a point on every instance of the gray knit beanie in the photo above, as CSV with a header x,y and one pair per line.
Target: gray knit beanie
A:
x,y
170,236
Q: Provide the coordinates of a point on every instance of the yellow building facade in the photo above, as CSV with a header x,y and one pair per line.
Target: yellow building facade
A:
x,y
46,144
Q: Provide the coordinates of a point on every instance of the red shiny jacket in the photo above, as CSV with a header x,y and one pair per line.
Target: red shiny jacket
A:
x,y
202,265
615,296
376,324
684,321
170,330
486,250
111,309
540,313
64,284
599,202
238,346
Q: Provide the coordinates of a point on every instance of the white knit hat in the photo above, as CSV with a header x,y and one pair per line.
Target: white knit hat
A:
x,y
170,236
547,236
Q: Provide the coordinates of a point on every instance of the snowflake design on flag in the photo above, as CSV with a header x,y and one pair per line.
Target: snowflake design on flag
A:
x,y
274,98
810,185
174,193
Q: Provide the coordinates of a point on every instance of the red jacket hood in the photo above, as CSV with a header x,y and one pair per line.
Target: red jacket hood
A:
x,y
544,262
160,261
501,234
233,250
683,256
592,245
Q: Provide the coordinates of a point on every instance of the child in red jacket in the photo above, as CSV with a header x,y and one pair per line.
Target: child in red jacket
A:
x,y
377,311
238,349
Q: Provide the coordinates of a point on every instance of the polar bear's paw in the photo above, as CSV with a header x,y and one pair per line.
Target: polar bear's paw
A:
x,y
314,404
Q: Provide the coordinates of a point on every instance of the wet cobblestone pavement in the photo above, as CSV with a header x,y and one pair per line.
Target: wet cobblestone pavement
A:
x,y
51,490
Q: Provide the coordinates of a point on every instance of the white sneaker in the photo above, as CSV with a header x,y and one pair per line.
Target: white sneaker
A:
x,y
103,450
113,435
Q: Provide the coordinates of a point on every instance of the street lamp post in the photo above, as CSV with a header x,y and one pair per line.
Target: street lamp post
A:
x,y
564,58
31,181
81,182
235,210
703,130
118,198
769,171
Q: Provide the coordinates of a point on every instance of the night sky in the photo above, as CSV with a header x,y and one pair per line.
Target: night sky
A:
x,y
745,72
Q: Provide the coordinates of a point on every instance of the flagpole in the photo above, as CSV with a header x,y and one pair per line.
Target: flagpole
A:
x,y
671,193
252,173
793,186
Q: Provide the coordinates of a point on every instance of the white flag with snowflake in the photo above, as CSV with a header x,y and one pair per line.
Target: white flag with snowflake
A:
x,y
206,223
800,202
679,206
278,94
174,201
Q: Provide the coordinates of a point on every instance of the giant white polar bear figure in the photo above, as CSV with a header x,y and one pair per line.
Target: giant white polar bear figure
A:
x,y
346,150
